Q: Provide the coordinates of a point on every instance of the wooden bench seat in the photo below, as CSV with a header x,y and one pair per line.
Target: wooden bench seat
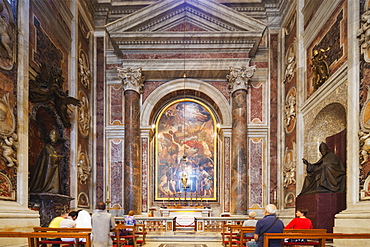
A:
x,y
320,237
123,240
61,242
34,237
311,242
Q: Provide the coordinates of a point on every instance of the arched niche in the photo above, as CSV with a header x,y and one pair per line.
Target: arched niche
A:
x,y
330,121
192,88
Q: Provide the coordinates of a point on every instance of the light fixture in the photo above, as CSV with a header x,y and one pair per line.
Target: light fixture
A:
x,y
184,156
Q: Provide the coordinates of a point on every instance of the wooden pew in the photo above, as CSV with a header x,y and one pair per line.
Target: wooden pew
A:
x,y
50,229
243,240
303,231
141,231
225,234
235,236
321,237
34,237
121,241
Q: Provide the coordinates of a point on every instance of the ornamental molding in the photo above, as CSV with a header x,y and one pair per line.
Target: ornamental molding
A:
x,y
132,79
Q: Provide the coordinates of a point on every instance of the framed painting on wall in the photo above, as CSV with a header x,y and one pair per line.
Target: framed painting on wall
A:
x,y
185,152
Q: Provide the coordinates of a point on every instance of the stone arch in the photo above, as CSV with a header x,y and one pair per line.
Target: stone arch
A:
x,y
193,88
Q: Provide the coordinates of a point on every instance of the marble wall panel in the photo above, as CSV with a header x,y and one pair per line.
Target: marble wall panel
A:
x,y
256,172
273,106
144,173
226,174
115,111
100,108
116,171
149,87
222,86
334,35
256,100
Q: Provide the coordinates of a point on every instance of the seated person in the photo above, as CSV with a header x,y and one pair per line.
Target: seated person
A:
x,y
300,222
55,223
269,223
251,221
69,222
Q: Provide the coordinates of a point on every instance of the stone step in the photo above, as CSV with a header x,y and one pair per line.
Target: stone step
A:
x,y
184,236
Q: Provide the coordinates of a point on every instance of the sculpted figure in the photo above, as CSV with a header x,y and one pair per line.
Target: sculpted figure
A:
x,y
328,175
320,68
10,147
46,177
5,40
48,86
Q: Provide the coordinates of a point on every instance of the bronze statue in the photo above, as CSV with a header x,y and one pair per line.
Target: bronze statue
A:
x,y
320,68
48,86
328,175
46,177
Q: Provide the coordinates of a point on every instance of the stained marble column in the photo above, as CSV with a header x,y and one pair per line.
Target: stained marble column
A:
x,y
132,81
238,84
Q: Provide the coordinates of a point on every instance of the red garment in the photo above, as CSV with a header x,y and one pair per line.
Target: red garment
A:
x,y
300,223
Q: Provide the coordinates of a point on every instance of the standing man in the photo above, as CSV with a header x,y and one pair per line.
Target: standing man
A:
x,y
102,223
269,223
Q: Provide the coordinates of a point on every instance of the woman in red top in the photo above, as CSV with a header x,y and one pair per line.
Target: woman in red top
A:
x,y
300,222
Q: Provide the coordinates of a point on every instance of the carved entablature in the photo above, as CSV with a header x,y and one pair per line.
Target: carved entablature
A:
x,y
84,116
83,166
132,79
239,77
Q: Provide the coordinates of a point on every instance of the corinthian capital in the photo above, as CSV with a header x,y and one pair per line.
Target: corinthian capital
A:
x,y
239,77
132,79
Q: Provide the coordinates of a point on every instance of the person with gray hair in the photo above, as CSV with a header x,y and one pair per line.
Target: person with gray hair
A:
x,y
269,223
251,221
102,223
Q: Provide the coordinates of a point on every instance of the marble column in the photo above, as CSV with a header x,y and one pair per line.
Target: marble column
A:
x,y
238,85
132,82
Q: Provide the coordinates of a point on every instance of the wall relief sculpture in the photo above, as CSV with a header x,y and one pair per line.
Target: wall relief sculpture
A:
x,y
48,87
289,171
6,188
320,67
290,110
290,62
363,34
83,166
364,145
84,69
7,36
8,138
84,116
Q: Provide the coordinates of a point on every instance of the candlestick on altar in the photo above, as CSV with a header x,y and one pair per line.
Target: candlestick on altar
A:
x,y
191,199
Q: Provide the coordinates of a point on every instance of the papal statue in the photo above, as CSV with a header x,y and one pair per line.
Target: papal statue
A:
x,y
328,175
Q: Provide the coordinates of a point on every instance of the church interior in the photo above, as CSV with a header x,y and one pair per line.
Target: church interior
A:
x,y
215,107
